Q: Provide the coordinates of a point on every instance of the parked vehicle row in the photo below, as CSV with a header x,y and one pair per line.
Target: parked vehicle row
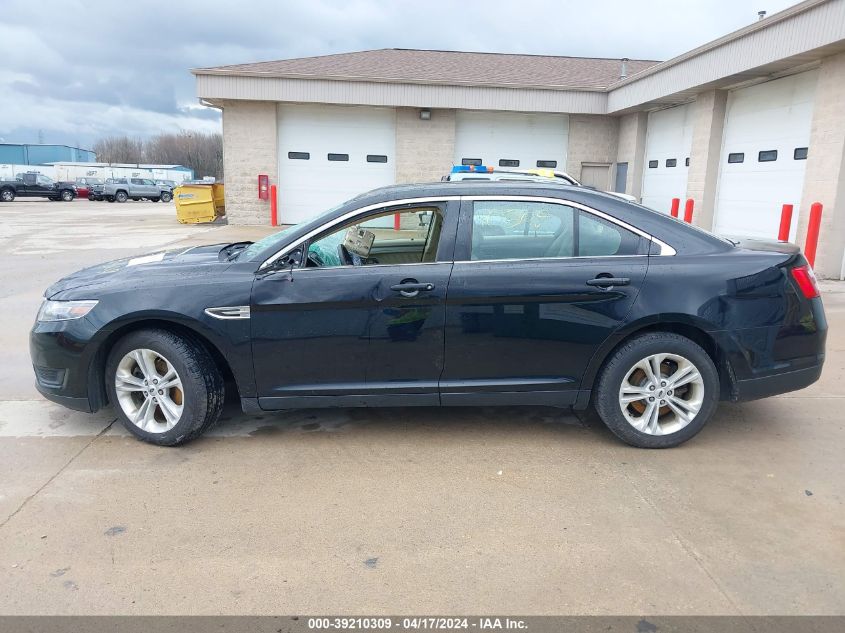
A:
x,y
35,185
123,189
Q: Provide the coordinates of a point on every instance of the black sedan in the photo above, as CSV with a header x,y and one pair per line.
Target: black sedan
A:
x,y
441,294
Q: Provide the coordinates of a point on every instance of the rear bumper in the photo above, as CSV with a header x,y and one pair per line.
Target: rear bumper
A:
x,y
756,388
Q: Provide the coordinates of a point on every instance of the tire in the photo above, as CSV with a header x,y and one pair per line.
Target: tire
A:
x,y
7,195
198,399
121,197
644,423
166,196
154,199
109,198
67,195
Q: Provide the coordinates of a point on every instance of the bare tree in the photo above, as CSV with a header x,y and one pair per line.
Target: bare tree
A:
x,y
201,152
119,149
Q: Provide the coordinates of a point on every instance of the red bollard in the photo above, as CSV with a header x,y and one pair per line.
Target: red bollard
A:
x,y
676,204
688,211
785,223
813,233
397,221
274,207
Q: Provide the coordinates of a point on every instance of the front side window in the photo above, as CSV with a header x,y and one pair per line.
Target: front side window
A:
x,y
409,236
531,230
44,180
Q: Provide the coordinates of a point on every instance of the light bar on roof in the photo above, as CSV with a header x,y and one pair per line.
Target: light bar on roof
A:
x,y
463,169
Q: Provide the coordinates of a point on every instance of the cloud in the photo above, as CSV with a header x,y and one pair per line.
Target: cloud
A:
x,y
87,68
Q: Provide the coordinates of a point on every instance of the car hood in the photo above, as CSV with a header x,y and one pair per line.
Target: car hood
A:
x,y
160,265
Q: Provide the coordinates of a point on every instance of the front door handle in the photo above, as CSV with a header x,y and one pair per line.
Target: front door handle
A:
x,y
411,288
607,282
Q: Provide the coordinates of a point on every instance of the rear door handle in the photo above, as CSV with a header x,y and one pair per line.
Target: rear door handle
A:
x,y
607,282
412,288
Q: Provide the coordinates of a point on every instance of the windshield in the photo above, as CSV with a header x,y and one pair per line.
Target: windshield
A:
x,y
276,239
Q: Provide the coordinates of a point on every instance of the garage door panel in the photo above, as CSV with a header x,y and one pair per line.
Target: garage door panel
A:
x,y
527,138
308,187
668,136
776,115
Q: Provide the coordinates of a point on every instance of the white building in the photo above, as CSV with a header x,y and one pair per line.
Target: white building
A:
x,y
741,125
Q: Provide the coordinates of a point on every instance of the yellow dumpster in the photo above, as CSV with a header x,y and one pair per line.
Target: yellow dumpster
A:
x,y
197,203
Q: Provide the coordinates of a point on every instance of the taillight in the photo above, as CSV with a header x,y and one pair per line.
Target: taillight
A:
x,y
806,280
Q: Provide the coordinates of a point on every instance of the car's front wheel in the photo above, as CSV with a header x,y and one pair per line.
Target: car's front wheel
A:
x,y
7,195
657,390
165,388
67,195
166,196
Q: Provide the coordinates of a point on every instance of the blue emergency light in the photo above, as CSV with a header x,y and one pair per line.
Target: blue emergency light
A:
x,y
463,169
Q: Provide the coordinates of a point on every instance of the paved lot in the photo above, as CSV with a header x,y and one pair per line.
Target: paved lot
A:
x,y
398,511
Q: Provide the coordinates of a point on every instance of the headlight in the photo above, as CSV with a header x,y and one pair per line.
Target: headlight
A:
x,y
64,310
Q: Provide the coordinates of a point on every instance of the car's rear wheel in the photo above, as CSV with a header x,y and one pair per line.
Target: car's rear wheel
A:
x,y
153,199
657,391
165,388
166,196
121,196
7,195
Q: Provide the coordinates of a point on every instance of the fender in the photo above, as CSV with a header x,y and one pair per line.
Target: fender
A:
x,y
228,341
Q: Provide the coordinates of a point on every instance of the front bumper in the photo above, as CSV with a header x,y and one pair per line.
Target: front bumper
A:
x,y
62,361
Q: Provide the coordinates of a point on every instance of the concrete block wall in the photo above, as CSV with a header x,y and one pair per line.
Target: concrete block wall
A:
x,y
593,138
631,149
824,179
708,112
424,149
250,148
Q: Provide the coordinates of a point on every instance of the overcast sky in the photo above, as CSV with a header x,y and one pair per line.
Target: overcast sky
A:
x,y
80,69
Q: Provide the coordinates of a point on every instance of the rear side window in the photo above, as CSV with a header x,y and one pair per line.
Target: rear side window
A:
x,y
504,230
599,238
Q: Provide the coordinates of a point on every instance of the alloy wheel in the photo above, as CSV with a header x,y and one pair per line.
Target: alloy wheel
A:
x,y
661,394
149,390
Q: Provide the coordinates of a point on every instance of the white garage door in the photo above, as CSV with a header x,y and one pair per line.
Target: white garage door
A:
x,y
667,149
328,154
511,139
765,144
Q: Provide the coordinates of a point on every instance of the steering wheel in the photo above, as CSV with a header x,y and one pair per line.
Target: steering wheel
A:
x,y
347,258
314,259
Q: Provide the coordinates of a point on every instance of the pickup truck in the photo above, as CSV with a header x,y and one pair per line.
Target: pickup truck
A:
x,y
123,189
35,185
